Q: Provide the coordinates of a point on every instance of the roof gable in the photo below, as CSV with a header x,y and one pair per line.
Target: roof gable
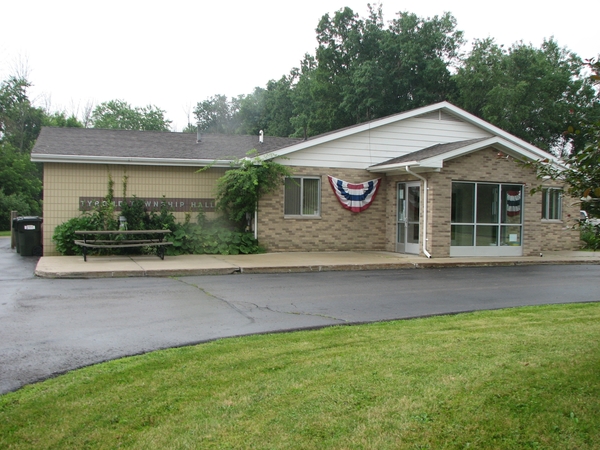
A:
x,y
458,125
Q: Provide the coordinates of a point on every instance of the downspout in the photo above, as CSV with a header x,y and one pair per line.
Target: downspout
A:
x,y
425,188
256,223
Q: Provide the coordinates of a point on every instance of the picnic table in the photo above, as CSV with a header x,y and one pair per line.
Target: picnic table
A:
x,y
123,239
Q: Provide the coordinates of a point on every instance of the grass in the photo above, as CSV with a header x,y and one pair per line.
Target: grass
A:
x,y
5,233
509,379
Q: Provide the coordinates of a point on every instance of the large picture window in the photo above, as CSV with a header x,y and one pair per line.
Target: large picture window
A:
x,y
302,196
484,216
552,203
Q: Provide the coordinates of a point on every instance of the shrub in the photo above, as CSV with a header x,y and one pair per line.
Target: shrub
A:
x,y
211,238
590,235
64,234
135,213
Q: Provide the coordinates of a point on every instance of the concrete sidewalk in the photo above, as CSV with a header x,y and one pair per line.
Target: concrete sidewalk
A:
x,y
186,265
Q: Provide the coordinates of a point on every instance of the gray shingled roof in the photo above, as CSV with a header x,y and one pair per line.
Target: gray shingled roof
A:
x,y
151,144
434,150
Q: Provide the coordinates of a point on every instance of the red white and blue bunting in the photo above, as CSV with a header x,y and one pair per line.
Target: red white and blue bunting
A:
x,y
355,197
513,203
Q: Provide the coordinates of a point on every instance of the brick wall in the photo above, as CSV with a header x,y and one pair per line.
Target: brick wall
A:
x,y
337,229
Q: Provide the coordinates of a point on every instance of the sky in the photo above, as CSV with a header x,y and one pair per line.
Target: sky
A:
x,y
174,54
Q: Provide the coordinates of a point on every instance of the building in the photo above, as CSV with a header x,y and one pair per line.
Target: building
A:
x,y
435,181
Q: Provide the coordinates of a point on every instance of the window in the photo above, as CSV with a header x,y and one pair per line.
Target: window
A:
x,y
486,214
302,196
552,203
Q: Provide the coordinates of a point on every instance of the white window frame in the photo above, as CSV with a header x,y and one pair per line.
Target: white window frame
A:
x,y
300,214
546,204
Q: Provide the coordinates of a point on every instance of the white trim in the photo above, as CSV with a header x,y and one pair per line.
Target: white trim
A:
x,y
37,157
424,196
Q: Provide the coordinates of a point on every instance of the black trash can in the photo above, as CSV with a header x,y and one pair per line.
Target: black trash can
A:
x,y
16,231
29,236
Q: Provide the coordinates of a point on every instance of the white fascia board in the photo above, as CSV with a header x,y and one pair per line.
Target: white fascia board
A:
x,y
393,167
120,160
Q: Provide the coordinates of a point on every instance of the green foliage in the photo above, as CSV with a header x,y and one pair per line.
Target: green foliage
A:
x,y
239,190
20,121
134,211
64,234
118,114
20,185
211,238
24,206
215,115
533,93
580,169
20,124
161,219
361,70
590,235
60,119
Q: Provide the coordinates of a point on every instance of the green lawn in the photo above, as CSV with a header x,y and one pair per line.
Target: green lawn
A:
x,y
520,378
4,233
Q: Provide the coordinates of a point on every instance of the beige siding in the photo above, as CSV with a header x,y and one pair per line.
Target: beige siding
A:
x,y
381,144
65,183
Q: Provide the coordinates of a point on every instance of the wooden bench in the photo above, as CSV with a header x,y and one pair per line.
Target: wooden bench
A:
x,y
119,239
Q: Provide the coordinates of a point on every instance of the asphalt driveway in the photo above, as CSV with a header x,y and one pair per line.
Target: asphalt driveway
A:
x,y
48,327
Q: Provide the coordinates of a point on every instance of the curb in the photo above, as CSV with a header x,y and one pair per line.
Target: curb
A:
x,y
427,264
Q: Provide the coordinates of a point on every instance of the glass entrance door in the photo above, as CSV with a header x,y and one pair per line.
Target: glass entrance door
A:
x,y
407,219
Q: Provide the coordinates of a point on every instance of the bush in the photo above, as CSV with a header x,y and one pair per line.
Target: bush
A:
x,y
136,214
590,235
211,238
64,234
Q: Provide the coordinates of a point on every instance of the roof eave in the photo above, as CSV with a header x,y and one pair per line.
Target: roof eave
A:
x,y
132,161
417,166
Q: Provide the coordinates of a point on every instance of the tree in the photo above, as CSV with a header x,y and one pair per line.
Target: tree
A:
x,y
364,70
215,114
533,93
118,114
581,170
267,109
20,121
20,125
252,114
242,186
60,119
20,184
